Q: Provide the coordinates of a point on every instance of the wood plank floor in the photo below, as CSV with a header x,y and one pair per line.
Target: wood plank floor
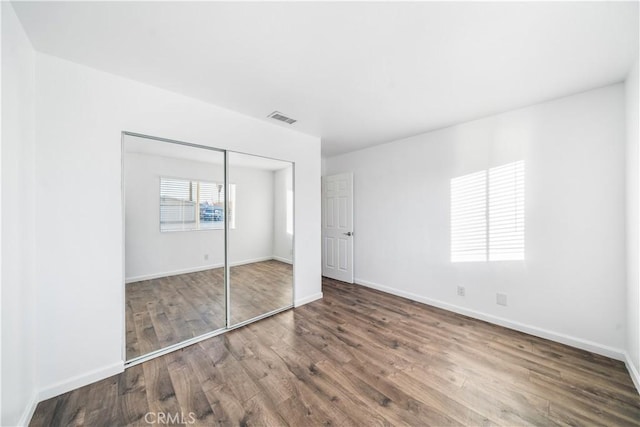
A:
x,y
361,357
169,310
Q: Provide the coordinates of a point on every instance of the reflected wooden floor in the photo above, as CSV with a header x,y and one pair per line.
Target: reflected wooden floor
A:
x,y
358,358
169,310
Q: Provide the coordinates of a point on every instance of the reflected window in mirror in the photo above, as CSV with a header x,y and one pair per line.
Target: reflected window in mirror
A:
x,y
188,205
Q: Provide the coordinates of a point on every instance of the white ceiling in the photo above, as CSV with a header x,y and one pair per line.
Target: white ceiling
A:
x,y
356,74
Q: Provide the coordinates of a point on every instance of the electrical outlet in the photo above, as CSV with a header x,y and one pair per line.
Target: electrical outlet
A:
x,y
461,291
206,257
501,299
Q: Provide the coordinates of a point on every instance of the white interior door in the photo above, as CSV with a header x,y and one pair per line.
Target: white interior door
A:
x,y
337,227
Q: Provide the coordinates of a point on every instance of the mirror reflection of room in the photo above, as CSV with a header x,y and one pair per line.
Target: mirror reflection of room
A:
x,y
174,243
178,208
260,247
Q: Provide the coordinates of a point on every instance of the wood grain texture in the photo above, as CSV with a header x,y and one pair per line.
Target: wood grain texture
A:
x,y
361,357
169,310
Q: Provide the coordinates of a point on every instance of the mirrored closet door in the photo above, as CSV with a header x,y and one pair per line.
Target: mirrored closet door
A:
x,y
260,244
208,242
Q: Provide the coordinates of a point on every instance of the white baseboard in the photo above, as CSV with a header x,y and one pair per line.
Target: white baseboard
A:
x,y
633,371
307,300
200,268
561,338
25,419
281,259
66,386
80,381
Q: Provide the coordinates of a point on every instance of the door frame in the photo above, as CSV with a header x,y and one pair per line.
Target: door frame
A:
x,y
228,327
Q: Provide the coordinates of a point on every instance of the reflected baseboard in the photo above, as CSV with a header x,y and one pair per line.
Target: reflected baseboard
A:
x,y
202,268
250,261
171,273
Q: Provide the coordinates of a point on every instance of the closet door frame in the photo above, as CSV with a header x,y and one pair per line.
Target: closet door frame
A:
x,y
228,327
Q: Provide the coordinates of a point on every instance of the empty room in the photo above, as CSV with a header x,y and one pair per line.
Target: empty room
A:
x,y
320,213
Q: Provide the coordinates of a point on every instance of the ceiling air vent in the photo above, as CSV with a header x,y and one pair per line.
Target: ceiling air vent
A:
x,y
279,116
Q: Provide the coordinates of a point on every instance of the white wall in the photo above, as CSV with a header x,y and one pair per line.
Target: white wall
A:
x,y
80,115
633,222
150,253
18,299
572,285
282,240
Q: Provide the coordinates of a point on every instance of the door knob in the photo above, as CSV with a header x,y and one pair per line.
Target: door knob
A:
x,y
348,233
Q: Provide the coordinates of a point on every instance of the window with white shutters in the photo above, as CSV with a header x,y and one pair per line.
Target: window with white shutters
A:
x,y
506,212
487,215
469,217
